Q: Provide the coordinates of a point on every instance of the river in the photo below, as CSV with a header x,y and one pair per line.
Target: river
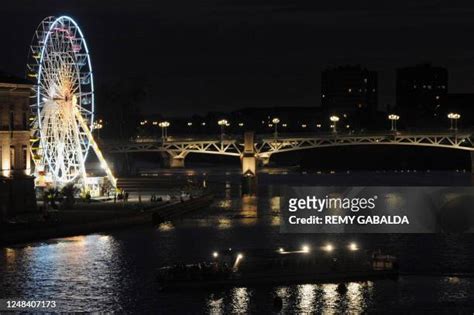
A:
x,y
115,271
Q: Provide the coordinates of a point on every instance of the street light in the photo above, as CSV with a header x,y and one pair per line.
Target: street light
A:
x,y
393,120
454,117
164,129
275,122
334,119
98,125
223,123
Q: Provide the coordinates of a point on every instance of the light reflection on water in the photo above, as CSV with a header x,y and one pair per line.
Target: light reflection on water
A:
x,y
215,304
355,296
115,271
330,296
240,300
306,295
166,226
224,223
305,298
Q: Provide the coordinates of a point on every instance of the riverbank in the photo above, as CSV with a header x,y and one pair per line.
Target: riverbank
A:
x,y
92,218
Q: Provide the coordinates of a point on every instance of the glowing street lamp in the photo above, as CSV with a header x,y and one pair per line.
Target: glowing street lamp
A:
x,y
334,119
275,122
393,121
97,126
454,117
164,129
223,123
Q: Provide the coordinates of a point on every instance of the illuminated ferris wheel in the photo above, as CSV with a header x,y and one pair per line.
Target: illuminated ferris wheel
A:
x,y
63,100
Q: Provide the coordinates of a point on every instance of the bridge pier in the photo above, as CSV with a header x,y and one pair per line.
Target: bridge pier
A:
x,y
264,159
173,161
177,162
249,165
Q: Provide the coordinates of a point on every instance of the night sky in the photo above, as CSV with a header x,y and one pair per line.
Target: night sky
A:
x,y
220,55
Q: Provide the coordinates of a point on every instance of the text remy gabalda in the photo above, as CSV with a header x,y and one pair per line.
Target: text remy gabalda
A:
x,y
331,203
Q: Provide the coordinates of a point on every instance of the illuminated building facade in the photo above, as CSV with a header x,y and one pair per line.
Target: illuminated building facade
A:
x,y
16,186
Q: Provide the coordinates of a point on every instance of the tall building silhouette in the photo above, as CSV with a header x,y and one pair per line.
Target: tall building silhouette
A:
x,y
350,92
419,91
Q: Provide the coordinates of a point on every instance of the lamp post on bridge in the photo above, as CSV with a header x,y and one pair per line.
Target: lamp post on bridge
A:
x,y
164,130
454,117
334,119
223,123
275,122
393,121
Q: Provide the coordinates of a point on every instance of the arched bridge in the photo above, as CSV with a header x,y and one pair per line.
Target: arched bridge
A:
x,y
263,146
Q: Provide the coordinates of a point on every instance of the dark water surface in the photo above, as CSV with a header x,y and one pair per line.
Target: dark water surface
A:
x,y
115,271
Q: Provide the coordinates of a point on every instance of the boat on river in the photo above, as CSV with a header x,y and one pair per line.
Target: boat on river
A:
x,y
280,267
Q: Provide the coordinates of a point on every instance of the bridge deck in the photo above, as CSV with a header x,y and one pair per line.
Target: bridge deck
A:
x,y
266,145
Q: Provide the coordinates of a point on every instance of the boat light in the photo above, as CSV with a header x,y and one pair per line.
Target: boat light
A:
x,y
305,249
353,246
240,256
328,248
215,254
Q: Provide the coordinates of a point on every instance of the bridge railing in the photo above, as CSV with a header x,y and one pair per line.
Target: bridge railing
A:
x,y
366,133
282,135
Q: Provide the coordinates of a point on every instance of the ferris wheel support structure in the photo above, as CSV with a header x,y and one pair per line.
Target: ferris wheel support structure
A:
x,y
103,163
